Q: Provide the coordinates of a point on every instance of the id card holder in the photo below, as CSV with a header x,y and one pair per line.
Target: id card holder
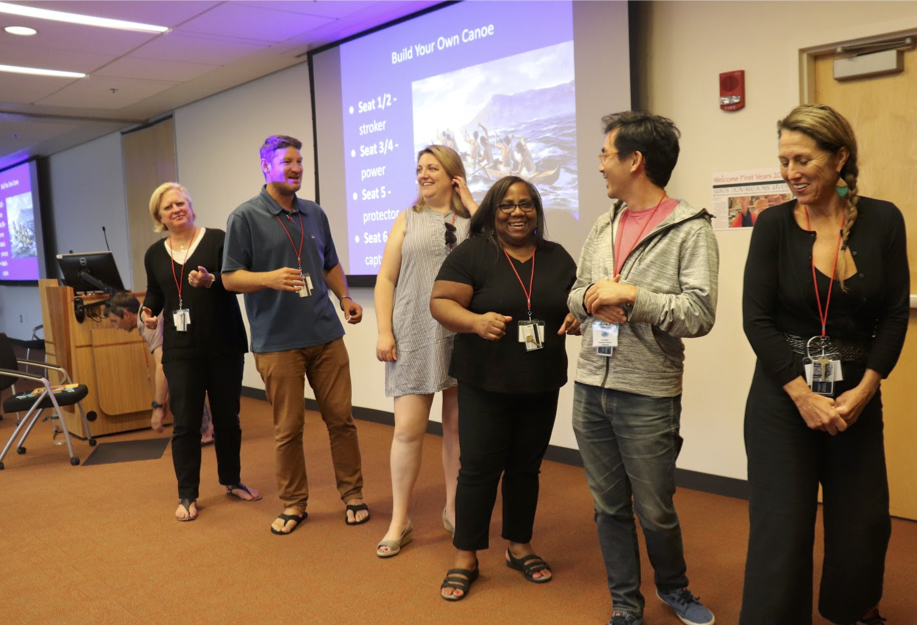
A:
x,y
822,365
531,334
604,337
182,319
306,289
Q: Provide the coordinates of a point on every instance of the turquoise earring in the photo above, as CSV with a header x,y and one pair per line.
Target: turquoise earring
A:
x,y
842,188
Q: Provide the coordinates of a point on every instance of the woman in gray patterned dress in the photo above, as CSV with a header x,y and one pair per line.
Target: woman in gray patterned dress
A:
x,y
415,349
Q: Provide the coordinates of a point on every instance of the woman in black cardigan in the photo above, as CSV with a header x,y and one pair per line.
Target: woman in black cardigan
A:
x,y
825,310
204,343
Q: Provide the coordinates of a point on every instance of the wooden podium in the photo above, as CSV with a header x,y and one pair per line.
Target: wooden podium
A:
x,y
115,365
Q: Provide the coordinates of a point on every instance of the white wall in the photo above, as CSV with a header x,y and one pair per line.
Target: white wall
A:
x,y
20,311
87,192
686,45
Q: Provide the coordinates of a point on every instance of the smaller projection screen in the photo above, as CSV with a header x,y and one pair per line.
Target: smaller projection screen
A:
x,y
21,249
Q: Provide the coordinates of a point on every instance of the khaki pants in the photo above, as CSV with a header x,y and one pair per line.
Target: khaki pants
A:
x,y
328,369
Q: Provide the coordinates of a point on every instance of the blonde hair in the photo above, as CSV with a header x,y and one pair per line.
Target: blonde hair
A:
x,y
156,200
831,131
453,166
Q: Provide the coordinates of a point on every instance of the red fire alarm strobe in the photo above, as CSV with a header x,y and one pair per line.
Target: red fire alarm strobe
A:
x,y
732,90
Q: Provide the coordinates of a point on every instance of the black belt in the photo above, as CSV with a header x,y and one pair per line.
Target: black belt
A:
x,y
850,351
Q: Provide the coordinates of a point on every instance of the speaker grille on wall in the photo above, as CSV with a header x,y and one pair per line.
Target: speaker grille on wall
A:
x,y
732,90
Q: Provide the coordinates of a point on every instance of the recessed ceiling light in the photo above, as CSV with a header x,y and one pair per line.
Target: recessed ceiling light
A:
x,y
25,31
76,18
40,72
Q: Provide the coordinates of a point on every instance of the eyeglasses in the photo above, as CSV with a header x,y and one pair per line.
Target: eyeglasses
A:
x,y
526,206
450,234
604,155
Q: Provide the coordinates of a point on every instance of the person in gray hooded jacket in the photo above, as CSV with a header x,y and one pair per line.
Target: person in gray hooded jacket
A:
x,y
647,279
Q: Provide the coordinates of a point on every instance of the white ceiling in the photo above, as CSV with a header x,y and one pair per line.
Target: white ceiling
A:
x,y
133,77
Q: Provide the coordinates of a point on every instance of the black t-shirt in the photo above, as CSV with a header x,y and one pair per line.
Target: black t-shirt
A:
x,y
504,366
216,321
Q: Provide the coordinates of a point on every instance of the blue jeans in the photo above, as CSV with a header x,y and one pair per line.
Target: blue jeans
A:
x,y
629,444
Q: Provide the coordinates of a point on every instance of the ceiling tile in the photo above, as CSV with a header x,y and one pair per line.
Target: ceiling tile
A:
x,y
33,130
209,50
50,58
96,93
146,69
22,89
252,22
324,8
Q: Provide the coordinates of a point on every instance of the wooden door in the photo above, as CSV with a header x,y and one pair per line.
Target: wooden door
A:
x,y
882,112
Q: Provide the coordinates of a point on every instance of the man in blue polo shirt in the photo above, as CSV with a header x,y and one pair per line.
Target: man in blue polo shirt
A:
x,y
280,254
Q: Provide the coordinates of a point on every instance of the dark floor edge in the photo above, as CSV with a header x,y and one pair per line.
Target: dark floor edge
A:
x,y
694,480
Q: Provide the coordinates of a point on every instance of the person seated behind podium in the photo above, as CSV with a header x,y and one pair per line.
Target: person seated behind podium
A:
x,y
123,309
204,342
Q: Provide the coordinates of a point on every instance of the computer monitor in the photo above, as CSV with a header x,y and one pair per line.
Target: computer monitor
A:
x,y
91,271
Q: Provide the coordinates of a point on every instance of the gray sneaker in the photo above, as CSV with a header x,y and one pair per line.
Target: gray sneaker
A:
x,y
687,607
625,619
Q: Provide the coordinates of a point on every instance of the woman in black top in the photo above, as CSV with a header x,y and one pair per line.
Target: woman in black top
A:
x,y
203,343
509,359
826,282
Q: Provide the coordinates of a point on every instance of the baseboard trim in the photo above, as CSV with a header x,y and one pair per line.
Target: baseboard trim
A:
x,y
694,480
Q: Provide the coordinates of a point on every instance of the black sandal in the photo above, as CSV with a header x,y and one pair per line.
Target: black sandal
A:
x,y
459,583
356,508
298,518
186,504
241,486
529,565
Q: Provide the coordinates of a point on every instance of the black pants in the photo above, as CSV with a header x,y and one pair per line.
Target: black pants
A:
x,y
786,463
500,433
190,379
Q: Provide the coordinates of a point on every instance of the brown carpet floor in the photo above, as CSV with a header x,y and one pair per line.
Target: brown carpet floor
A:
x,y
99,544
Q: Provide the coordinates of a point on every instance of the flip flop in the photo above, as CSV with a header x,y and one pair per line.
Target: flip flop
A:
x,y
290,517
356,508
529,565
241,486
186,504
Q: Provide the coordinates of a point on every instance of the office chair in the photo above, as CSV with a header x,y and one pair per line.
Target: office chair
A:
x,y
45,397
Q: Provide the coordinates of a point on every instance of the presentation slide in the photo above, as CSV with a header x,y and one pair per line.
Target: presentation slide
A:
x,y
496,81
20,230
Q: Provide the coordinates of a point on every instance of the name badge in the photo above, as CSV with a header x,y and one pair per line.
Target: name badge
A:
x,y
822,365
531,334
182,319
604,337
306,290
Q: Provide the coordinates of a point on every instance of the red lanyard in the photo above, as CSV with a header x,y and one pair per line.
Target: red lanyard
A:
x,y
302,236
528,294
180,279
823,316
617,252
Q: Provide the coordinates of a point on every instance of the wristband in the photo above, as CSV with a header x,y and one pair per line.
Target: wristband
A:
x,y
342,300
